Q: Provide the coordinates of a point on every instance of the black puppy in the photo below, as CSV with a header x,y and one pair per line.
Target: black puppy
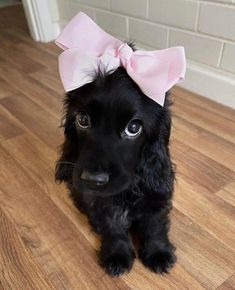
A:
x,y
116,163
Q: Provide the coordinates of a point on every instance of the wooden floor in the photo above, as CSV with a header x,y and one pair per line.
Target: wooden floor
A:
x,y
45,243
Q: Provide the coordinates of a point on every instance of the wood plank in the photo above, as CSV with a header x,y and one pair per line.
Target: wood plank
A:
x,y
178,278
201,171
201,140
49,78
229,284
41,250
208,260
12,17
39,55
210,121
13,57
9,127
6,89
228,193
18,266
33,208
24,149
48,99
210,212
202,103
18,36
34,118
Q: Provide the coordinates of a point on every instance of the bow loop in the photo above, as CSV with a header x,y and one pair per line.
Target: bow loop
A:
x,y
86,46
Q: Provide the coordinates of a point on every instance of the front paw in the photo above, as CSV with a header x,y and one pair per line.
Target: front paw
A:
x,y
117,263
160,261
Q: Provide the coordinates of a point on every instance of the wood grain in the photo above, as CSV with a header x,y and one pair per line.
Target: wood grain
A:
x,y
199,169
9,127
45,242
228,284
203,103
49,79
208,144
34,118
206,119
18,265
6,90
228,193
48,99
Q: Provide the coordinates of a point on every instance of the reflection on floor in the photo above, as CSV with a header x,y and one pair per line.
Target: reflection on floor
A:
x,y
5,3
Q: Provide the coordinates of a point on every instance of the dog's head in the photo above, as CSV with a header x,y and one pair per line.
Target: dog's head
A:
x,y
115,137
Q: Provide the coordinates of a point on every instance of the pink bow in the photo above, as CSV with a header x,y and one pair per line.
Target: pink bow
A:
x,y
87,47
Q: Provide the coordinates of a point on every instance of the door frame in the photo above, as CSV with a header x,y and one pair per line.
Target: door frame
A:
x,y
43,19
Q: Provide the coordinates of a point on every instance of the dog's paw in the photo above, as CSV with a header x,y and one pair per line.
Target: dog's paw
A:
x,y
159,261
117,264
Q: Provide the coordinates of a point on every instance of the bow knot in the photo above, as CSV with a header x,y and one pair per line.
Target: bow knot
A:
x,y
86,46
125,52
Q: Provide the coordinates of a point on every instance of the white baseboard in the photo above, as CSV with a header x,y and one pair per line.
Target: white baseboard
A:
x,y
210,83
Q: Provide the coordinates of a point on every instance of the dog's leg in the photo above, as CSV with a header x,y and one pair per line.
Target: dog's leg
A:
x,y
116,254
156,251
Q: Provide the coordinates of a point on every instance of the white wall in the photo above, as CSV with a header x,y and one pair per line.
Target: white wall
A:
x,y
205,28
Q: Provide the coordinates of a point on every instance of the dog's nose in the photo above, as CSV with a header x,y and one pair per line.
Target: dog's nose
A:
x,y
98,179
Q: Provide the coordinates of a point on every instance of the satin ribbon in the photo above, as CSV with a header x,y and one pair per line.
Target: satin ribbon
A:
x,y
87,48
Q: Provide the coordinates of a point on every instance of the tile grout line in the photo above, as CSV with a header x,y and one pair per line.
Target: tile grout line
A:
x,y
147,9
220,55
127,28
197,16
168,37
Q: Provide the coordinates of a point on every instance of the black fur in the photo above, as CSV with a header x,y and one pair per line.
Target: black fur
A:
x,y
139,193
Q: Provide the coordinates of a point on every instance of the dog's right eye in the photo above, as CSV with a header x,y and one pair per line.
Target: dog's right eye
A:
x,y
83,120
133,129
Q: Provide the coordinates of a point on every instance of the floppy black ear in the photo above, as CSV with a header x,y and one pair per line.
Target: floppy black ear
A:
x,y
65,163
156,169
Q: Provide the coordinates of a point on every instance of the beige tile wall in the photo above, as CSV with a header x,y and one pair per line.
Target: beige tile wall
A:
x,y
205,28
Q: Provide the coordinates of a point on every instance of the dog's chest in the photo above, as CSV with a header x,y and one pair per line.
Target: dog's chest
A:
x,y
117,209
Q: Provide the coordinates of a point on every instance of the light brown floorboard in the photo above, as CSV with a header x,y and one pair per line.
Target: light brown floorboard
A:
x,y
206,119
204,142
19,269
48,99
228,193
203,103
228,284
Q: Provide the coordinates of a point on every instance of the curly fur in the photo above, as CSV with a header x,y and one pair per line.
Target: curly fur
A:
x,y
140,195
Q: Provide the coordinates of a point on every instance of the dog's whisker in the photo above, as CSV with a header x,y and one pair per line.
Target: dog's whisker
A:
x,y
65,162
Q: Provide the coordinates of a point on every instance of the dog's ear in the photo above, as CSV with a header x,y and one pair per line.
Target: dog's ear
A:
x,y
64,167
155,167
65,163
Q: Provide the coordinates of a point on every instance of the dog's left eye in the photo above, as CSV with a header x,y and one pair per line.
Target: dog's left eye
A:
x,y
133,128
83,120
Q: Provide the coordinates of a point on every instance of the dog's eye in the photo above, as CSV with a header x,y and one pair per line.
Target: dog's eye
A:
x,y
83,120
133,128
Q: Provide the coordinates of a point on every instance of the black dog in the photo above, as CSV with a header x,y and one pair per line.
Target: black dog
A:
x,y
116,163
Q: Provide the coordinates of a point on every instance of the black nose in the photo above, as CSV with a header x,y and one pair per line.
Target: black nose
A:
x,y
98,179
